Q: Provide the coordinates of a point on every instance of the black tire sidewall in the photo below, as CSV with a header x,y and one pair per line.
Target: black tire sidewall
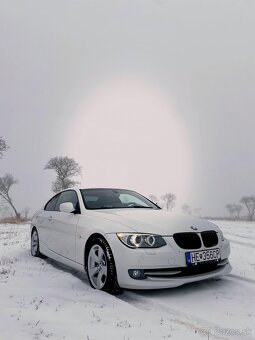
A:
x,y
111,283
37,254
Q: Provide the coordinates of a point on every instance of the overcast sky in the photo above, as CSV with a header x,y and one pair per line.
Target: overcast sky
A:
x,y
152,95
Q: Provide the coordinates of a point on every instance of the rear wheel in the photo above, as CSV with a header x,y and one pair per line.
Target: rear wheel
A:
x,y
35,247
100,267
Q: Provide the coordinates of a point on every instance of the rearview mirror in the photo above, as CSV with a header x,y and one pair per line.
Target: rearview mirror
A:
x,y
67,207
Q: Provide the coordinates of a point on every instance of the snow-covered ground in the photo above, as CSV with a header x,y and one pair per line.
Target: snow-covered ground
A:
x,y
40,299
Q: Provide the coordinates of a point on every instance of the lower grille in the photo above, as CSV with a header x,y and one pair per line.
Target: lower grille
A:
x,y
169,273
187,240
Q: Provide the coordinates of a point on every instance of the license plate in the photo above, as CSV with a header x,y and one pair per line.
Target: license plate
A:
x,y
195,257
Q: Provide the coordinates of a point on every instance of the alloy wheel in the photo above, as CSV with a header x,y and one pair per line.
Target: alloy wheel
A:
x,y
97,266
34,243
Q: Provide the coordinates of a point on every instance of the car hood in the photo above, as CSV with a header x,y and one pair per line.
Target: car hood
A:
x,y
156,221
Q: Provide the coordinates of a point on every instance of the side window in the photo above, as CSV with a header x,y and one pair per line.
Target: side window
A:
x,y
68,196
50,206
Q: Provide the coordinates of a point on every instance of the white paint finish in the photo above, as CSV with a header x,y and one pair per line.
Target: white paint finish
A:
x,y
64,237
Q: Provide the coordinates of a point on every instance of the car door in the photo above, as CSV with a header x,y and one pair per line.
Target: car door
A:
x,y
44,221
64,226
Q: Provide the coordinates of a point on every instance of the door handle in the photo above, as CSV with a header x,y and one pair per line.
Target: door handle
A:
x,y
50,218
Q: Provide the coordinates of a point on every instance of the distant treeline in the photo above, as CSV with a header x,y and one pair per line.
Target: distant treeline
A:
x,y
67,169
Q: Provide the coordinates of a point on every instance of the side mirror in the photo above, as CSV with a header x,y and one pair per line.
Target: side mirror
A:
x,y
67,207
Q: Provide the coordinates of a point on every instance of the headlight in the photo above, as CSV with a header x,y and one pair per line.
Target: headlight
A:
x,y
141,240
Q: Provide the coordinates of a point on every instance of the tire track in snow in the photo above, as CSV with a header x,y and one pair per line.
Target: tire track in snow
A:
x,y
199,325
241,278
245,244
250,237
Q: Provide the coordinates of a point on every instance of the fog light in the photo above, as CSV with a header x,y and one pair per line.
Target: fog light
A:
x,y
136,274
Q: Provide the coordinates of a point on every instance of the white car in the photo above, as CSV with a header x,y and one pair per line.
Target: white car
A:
x,y
123,240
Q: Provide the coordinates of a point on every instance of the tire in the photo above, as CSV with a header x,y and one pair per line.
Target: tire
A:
x,y
100,266
35,246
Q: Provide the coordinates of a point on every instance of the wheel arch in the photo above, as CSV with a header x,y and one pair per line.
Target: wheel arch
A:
x,y
112,285
86,248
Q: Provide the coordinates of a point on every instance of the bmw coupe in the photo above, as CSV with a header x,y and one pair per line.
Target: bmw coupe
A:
x,y
124,240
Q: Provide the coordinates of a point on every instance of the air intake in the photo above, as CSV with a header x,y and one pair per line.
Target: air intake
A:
x,y
187,240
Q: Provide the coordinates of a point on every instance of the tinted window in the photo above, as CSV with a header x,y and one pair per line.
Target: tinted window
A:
x,y
50,206
129,199
68,196
114,199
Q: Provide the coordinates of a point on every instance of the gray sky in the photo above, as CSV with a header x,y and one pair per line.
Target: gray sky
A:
x,y
153,95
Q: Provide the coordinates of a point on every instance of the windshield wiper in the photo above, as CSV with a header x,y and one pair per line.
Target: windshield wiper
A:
x,y
125,207
140,206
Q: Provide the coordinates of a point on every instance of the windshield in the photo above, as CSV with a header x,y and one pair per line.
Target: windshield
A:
x,y
115,199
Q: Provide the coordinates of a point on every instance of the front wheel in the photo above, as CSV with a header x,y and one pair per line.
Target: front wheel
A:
x,y
101,268
35,248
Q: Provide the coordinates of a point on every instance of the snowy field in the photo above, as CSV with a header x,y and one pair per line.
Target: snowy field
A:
x,y
40,299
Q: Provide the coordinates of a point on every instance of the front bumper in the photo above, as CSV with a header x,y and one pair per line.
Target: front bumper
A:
x,y
167,257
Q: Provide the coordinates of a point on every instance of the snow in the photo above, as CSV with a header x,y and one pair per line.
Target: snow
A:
x,y
41,299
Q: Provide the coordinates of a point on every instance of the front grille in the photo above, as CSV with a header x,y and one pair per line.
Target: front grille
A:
x,y
187,240
168,273
210,238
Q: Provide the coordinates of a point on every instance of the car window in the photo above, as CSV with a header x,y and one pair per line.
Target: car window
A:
x,y
68,196
127,199
114,199
50,206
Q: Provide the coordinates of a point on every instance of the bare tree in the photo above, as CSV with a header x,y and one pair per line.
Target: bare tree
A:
x,y
25,211
249,202
231,210
169,200
6,182
3,147
66,168
234,210
238,209
186,209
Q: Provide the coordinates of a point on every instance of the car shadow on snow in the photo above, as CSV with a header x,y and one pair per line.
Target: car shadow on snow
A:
x,y
79,275
209,286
